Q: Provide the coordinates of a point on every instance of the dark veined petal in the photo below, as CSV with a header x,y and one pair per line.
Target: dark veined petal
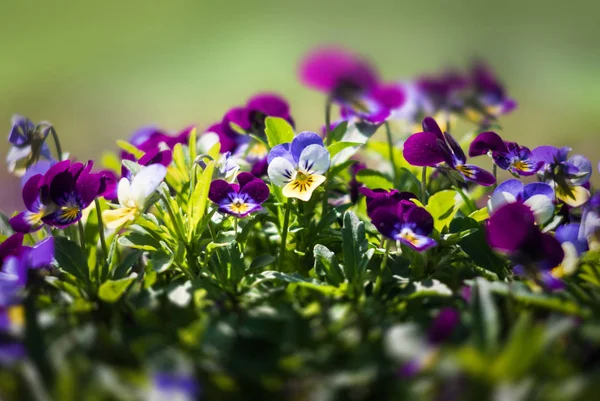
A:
x,y
257,190
485,142
418,217
421,149
61,186
53,171
476,174
301,141
511,228
219,190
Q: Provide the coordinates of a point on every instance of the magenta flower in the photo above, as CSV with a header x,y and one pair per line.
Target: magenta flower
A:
x,y
508,156
241,199
379,197
432,147
405,222
351,82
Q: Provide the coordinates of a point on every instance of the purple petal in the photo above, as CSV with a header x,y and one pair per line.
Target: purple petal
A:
x,y
11,353
56,169
583,165
219,190
239,116
387,221
88,187
476,174
391,96
512,186
31,192
329,68
421,149
443,325
550,282
244,178
41,167
550,251
301,141
418,242
430,125
459,154
546,154
485,142
269,104
511,227
257,190
570,233
537,188
156,156
23,223
418,217
108,185
13,245
42,254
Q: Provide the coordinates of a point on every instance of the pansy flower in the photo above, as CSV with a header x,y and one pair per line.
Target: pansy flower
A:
x,y
508,156
489,94
380,197
351,82
240,199
71,188
31,219
538,196
28,144
432,147
133,195
512,230
569,175
405,222
299,167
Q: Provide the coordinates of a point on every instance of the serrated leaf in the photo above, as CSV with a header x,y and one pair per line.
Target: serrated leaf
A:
x,y
278,131
111,290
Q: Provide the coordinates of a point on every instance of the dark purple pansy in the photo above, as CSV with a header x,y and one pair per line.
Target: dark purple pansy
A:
x,y
71,188
405,222
351,82
431,147
443,326
251,117
380,197
31,219
512,230
241,199
507,155
16,259
489,92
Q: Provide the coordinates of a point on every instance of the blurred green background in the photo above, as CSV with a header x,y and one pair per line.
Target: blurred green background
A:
x,y
99,70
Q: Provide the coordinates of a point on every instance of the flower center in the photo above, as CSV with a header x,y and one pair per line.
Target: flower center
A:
x,y
302,182
238,206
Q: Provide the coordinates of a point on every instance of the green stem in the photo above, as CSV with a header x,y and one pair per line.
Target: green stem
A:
x,y
284,232
56,143
81,235
468,201
424,185
379,280
388,133
328,104
101,228
495,172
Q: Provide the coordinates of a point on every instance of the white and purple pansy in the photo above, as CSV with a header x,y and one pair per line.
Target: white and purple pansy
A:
x,y
240,199
508,156
405,222
538,196
299,167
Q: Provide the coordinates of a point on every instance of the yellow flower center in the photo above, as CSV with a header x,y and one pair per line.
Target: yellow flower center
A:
x,y
69,213
302,182
16,315
239,207
520,165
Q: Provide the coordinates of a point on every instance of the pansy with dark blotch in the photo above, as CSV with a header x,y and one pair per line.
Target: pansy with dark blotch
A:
x,y
508,156
31,219
405,222
299,167
432,147
16,259
380,197
28,144
71,188
569,175
512,230
240,199
538,196
351,82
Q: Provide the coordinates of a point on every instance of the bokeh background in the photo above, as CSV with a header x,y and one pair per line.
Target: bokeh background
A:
x,y
99,70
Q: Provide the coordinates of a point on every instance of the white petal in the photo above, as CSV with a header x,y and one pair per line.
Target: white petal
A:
x,y
281,171
146,181
498,199
314,159
124,192
542,208
206,141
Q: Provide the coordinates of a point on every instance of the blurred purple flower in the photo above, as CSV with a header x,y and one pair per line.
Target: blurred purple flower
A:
x,y
28,144
538,196
241,199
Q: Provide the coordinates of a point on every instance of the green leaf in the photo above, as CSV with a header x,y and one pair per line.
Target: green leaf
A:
x,y
129,148
112,290
339,146
110,161
278,131
132,166
192,144
5,227
260,262
355,249
160,261
428,288
475,245
480,215
442,206
339,131
180,163
139,241
326,264
374,179
486,326
199,199
71,258
123,268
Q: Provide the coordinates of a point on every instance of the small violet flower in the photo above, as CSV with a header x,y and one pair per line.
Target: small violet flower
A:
x,y
298,167
133,195
405,222
351,82
508,156
431,147
241,199
173,386
538,196
28,144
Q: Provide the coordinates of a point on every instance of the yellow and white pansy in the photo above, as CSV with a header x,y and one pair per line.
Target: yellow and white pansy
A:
x,y
133,195
299,167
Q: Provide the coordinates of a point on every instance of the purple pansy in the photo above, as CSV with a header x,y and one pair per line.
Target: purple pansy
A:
x,y
380,197
512,230
28,144
507,155
241,199
174,386
351,82
570,233
432,147
299,167
405,222
16,259
489,92
538,196
31,219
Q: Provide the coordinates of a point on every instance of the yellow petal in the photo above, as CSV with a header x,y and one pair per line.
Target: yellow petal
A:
x,y
116,218
303,186
580,195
